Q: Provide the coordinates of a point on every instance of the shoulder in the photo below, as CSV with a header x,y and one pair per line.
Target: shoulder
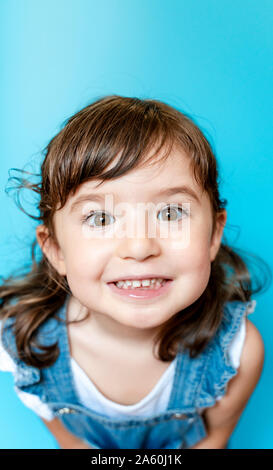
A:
x,y
227,411
253,348
252,358
251,365
6,362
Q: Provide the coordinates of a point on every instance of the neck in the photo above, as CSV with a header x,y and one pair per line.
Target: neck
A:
x,y
99,325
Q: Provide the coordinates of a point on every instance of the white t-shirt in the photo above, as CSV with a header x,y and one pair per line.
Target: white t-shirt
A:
x,y
155,402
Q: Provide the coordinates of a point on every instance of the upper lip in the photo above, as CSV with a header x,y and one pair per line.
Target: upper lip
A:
x,y
141,276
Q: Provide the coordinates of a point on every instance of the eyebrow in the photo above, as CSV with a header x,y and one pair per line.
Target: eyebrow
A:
x,y
167,192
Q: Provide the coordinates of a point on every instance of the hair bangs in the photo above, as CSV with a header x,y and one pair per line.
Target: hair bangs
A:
x,y
106,144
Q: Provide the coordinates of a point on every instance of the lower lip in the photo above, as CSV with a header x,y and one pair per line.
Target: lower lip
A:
x,y
139,293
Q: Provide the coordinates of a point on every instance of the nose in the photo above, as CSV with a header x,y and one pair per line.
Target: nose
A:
x,y
141,242
138,248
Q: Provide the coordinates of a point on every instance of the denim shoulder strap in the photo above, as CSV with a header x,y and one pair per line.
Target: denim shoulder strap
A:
x,y
219,370
26,375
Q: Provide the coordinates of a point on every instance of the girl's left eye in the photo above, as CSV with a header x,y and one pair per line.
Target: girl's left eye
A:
x,y
172,210
101,216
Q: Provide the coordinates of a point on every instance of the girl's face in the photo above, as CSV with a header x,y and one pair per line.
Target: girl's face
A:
x,y
93,252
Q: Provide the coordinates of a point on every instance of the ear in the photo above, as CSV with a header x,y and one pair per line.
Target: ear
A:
x,y
221,219
51,249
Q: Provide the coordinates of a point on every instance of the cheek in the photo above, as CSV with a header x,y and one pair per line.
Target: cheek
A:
x,y
193,268
197,251
197,263
85,260
194,260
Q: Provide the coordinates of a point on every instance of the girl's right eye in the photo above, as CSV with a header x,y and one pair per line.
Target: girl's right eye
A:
x,y
96,217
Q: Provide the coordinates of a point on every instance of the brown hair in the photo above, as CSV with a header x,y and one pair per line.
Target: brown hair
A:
x,y
83,149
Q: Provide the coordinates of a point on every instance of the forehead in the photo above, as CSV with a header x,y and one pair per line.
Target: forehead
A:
x,y
154,182
146,181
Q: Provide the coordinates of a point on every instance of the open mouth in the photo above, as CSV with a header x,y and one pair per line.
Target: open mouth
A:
x,y
140,289
139,284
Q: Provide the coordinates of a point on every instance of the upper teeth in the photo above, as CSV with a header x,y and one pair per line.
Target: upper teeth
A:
x,y
139,283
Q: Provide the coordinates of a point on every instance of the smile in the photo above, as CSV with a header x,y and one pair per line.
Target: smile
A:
x,y
136,290
141,283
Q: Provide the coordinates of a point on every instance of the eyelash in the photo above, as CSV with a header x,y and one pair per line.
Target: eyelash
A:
x,y
91,213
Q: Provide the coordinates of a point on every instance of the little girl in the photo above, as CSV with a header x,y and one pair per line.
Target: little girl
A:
x,y
122,340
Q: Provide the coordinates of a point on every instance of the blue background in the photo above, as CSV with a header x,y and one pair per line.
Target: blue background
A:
x,y
211,58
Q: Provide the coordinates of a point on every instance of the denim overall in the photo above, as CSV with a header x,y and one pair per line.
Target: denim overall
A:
x,y
197,383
